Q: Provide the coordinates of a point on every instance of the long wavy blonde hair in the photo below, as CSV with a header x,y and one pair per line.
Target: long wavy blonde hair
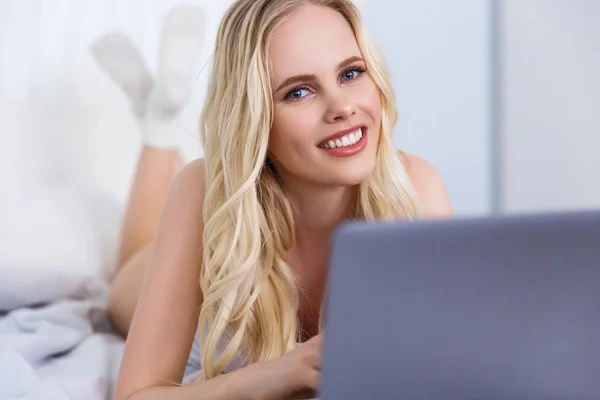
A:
x,y
251,296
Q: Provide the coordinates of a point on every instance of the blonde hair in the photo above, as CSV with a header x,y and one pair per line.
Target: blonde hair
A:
x,y
251,297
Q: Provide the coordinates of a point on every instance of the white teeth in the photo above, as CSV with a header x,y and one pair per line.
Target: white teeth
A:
x,y
346,140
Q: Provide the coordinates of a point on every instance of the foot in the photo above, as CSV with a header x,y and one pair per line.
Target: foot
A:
x,y
121,59
180,44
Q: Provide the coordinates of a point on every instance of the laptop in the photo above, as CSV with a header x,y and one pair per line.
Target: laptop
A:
x,y
503,307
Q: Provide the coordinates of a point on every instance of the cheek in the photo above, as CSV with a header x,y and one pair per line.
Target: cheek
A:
x,y
289,133
373,102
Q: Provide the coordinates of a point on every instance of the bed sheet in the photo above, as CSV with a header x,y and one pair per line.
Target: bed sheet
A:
x,y
62,350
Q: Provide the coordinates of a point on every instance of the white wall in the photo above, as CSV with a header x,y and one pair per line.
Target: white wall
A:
x,y
439,53
550,126
63,121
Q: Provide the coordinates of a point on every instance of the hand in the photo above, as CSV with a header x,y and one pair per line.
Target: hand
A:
x,y
294,376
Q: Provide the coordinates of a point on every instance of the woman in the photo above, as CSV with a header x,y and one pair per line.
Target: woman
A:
x,y
296,131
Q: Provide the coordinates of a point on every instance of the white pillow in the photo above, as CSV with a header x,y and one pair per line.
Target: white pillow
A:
x,y
59,243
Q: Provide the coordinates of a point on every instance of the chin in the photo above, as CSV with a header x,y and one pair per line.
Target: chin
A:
x,y
354,176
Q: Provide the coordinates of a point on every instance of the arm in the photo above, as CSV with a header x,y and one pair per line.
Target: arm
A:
x,y
433,199
220,388
166,317
224,387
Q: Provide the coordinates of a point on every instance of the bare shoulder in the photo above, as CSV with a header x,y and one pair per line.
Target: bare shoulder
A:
x,y
188,188
191,176
431,191
184,202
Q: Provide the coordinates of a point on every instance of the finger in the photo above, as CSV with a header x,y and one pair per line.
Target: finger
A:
x,y
317,359
316,340
310,356
312,380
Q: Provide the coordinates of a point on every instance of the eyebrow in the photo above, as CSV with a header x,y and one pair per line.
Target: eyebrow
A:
x,y
310,77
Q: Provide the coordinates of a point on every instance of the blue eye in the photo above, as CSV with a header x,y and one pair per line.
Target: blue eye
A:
x,y
352,73
349,75
296,94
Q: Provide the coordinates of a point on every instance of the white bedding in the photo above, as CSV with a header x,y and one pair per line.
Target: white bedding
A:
x,y
63,350
56,342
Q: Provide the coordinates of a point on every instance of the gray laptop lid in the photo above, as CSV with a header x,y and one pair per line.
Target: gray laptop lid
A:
x,y
496,308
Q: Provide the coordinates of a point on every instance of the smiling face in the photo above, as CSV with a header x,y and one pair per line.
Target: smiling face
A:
x,y
327,109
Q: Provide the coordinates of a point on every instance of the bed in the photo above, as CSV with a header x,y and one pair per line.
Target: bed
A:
x,y
56,342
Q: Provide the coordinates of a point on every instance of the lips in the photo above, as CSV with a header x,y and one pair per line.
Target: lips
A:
x,y
344,141
345,137
347,145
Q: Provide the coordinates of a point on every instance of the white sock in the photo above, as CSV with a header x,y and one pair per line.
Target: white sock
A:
x,y
160,133
180,45
119,57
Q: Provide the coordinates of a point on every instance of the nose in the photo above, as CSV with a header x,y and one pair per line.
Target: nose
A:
x,y
340,107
